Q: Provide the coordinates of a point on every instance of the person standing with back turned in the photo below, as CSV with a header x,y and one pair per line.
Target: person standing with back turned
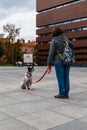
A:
x,y
62,70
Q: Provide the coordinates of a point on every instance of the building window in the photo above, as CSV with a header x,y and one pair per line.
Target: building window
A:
x,y
61,6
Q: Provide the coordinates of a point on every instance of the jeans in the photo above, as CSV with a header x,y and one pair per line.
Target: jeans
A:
x,y
62,75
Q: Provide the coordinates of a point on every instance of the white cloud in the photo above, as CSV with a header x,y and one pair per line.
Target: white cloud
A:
x,y
23,17
17,3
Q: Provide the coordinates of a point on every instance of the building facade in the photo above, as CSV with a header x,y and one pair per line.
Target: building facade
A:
x,y
28,47
71,16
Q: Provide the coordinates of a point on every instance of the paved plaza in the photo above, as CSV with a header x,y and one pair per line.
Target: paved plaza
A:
x,y
37,109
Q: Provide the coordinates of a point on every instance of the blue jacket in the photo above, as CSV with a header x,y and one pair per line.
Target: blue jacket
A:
x,y
56,44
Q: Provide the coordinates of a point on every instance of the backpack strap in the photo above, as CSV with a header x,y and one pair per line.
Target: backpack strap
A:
x,y
65,43
59,54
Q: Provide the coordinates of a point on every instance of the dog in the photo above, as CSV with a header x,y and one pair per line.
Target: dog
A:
x,y
27,80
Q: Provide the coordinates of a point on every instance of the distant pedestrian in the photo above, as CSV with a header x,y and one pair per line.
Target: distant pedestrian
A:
x,y
62,70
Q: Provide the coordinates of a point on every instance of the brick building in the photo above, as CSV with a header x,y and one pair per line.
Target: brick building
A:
x,y
28,47
71,16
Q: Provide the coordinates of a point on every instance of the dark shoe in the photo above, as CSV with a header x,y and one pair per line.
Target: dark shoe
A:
x,y
66,97
59,96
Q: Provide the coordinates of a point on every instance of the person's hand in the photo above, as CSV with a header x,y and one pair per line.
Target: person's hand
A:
x,y
49,69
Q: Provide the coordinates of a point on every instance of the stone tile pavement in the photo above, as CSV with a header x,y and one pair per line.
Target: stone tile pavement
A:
x,y
37,109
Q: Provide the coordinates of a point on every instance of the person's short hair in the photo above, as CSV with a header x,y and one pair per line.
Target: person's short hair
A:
x,y
56,31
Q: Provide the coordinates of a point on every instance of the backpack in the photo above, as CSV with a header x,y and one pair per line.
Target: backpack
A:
x,y
68,56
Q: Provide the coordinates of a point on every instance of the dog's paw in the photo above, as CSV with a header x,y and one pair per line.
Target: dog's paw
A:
x,y
23,87
28,88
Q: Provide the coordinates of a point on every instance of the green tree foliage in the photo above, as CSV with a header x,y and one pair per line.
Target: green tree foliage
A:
x,y
12,50
12,31
8,52
12,53
18,56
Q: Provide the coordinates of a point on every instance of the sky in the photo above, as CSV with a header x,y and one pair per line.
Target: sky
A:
x,y
22,13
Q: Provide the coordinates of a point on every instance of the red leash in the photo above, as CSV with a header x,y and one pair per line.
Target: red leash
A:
x,y
42,76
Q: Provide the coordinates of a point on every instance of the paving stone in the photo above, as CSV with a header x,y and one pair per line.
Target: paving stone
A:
x,y
23,96
82,95
84,119
13,124
37,109
5,101
71,110
82,103
3,116
13,110
44,120
73,125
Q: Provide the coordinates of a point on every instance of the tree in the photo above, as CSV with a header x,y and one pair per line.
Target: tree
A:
x,y
18,55
12,31
8,52
1,50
